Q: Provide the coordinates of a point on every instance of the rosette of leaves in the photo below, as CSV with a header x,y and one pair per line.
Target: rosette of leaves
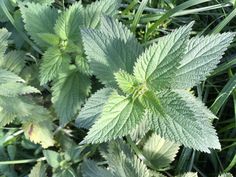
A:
x,y
150,85
57,33
15,102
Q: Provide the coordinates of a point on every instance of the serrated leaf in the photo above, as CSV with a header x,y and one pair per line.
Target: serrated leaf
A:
x,y
186,121
13,61
4,35
159,152
91,169
108,53
140,131
158,64
92,109
126,81
12,89
54,62
69,92
39,132
39,170
38,18
120,116
202,56
7,76
92,14
122,162
39,1
189,174
69,22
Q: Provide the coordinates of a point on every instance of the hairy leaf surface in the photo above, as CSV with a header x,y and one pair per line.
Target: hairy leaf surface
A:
x,y
69,92
120,115
38,18
92,109
158,64
202,56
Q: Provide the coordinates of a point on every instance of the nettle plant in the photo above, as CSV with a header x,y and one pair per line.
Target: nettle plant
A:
x,y
137,119
147,88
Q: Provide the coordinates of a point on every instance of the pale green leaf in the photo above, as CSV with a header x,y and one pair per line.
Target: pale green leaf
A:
x,y
7,76
4,35
226,175
13,61
39,170
49,38
69,92
92,13
12,89
120,116
93,107
108,53
140,131
39,132
91,169
39,1
158,64
122,162
126,81
159,152
189,174
53,158
54,62
69,22
38,18
185,121
202,56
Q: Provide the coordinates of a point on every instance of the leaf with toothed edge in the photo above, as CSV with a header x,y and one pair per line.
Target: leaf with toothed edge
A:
x,y
120,116
202,56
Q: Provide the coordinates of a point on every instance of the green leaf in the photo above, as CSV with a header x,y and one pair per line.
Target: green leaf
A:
x,y
202,56
93,107
92,13
53,158
120,116
126,81
226,175
69,92
49,38
38,18
69,22
39,170
108,53
54,62
13,61
12,107
140,131
7,76
39,1
12,89
122,162
39,132
186,121
158,64
189,174
151,102
91,169
159,152
4,35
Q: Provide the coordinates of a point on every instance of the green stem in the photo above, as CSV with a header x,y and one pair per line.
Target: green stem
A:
x,y
21,161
